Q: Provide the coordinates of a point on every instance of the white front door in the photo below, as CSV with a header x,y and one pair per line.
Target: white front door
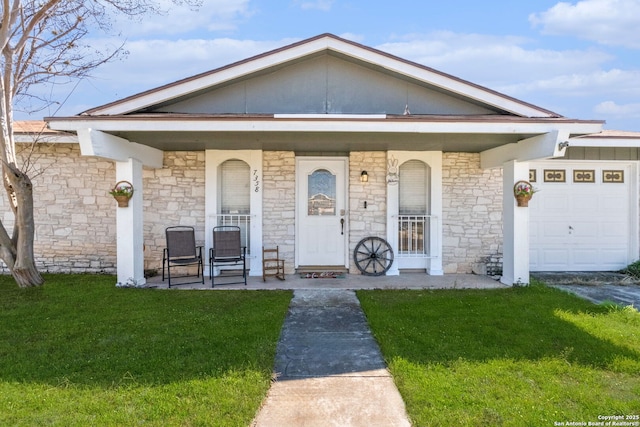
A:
x,y
321,223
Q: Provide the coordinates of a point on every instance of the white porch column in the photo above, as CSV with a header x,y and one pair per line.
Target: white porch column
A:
x,y
515,268
435,224
392,216
129,226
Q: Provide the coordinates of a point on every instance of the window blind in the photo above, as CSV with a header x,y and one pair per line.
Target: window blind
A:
x,y
413,188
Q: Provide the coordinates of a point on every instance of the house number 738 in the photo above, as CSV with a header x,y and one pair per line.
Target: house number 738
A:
x,y
256,181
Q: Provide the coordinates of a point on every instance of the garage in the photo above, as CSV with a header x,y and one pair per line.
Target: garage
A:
x,y
584,216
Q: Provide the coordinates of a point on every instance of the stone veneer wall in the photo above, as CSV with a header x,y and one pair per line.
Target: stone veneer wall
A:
x,y
372,220
472,212
279,204
173,195
75,217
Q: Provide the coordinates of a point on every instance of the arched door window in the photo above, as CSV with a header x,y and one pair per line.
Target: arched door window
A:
x,y
322,193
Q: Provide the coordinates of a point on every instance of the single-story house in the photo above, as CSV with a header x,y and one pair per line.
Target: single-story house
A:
x,y
320,144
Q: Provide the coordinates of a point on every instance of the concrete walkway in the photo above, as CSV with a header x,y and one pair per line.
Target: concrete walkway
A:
x,y
329,370
597,287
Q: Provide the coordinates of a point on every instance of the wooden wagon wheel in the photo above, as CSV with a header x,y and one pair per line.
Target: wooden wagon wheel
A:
x,y
373,256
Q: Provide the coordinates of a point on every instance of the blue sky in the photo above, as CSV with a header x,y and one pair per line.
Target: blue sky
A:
x,y
578,58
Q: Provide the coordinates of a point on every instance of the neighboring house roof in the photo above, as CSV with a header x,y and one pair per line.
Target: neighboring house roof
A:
x,y
31,127
28,131
614,134
608,138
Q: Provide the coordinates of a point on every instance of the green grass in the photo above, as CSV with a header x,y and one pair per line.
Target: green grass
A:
x,y
529,356
80,352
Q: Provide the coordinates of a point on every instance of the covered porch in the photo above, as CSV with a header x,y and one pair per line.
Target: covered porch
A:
x,y
491,139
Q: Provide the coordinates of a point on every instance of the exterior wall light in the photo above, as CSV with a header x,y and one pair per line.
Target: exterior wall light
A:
x,y
364,177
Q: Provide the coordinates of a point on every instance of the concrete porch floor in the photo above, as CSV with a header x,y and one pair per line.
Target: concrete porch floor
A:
x,y
350,281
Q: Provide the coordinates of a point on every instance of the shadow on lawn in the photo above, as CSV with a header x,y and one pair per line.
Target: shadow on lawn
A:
x,y
95,334
521,323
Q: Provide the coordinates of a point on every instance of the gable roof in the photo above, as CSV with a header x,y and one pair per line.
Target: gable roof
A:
x,y
324,43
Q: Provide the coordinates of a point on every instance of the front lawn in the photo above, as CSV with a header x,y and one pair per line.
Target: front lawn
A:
x,y
80,352
531,356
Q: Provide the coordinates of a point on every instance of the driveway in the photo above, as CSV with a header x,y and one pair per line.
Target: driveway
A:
x,y
597,287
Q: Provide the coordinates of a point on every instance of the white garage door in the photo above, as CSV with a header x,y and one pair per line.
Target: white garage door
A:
x,y
581,218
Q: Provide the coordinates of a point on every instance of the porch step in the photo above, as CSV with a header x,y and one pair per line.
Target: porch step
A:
x,y
320,269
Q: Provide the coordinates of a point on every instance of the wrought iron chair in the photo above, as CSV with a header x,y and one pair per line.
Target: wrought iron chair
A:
x,y
181,251
227,250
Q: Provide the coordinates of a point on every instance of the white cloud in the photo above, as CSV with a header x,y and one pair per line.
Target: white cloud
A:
x,y
213,15
611,82
324,5
624,111
607,22
493,61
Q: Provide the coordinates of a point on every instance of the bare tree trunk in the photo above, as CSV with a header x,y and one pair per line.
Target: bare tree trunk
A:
x,y
19,256
39,42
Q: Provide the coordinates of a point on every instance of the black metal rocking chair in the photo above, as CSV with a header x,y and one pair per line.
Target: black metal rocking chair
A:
x,y
227,250
182,251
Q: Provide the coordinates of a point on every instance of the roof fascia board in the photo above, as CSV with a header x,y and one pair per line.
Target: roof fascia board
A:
x,y
96,143
309,47
343,125
543,146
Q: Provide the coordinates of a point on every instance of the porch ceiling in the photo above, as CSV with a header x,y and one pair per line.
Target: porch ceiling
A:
x,y
318,141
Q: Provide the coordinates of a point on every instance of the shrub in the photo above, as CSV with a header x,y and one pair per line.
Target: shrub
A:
x,y
633,269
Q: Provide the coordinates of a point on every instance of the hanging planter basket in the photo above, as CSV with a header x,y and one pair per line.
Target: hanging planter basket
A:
x,y
122,192
523,192
523,201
